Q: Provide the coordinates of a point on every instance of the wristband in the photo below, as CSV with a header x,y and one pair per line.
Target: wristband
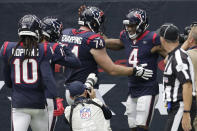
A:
x,y
186,111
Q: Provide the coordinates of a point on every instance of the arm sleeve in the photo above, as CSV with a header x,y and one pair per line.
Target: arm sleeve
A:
x,y
65,57
46,73
156,39
96,41
121,35
58,53
7,72
70,59
106,111
5,66
181,69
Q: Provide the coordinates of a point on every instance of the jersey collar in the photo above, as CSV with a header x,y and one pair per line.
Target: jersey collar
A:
x,y
172,52
75,31
141,37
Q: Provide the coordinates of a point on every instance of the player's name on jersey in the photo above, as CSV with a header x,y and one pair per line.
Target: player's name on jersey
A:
x,y
20,52
72,39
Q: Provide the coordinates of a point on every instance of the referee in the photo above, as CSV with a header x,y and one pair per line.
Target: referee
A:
x,y
178,82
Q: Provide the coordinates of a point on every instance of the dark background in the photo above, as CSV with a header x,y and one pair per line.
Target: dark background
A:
x,y
179,12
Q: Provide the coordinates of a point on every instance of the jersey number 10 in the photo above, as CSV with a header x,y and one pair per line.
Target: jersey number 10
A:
x,y
21,71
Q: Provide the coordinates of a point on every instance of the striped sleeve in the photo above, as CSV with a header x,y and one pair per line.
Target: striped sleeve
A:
x,y
181,67
96,41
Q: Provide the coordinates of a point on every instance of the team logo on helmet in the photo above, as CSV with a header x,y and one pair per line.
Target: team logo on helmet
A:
x,y
139,18
93,18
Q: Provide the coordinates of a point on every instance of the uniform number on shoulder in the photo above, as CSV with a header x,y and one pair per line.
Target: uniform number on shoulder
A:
x,y
29,75
75,50
98,42
133,57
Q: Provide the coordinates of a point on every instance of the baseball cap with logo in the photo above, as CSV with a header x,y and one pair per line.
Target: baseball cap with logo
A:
x,y
169,32
76,88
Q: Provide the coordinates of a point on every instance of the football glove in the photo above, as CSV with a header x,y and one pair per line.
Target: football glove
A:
x,y
140,71
60,108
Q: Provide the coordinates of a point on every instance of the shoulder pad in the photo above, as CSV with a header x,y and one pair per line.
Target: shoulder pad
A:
x,y
156,39
3,48
96,41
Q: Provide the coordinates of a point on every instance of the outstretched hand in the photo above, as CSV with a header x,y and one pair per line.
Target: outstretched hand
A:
x,y
140,71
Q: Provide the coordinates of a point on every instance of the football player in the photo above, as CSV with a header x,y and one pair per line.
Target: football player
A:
x,y
51,32
26,70
141,46
89,47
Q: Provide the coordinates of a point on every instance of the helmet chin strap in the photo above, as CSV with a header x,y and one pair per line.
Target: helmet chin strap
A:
x,y
90,27
134,36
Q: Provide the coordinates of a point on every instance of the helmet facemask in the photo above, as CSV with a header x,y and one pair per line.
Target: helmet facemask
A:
x,y
52,28
136,17
93,18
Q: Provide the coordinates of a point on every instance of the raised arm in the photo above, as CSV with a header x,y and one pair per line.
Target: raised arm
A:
x,y
65,57
105,62
114,44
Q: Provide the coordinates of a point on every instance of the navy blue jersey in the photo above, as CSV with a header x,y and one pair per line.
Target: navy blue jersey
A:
x,y
26,77
80,42
63,57
139,52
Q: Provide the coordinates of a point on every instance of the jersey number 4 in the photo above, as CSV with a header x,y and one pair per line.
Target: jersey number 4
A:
x,y
133,57
22,70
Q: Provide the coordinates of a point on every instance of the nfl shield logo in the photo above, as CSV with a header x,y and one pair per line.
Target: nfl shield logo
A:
x,y
85,113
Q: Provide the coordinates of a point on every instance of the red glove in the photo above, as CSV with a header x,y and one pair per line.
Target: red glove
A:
x,y
60,107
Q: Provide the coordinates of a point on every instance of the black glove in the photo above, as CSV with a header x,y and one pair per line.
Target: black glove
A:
x,y
140,71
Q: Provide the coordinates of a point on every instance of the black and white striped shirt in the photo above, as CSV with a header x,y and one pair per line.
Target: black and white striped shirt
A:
x,y
178,70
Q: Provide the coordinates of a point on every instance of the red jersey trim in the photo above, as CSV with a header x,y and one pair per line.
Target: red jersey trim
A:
x,y
92,37
154,36
143,35
121,33
54,46
45,48
74,31
21,44
5,46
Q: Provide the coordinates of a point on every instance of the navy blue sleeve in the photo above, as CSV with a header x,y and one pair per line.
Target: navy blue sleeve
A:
x,y
5,66
70,59
7,73
48,78
96,41
121,35
156,39
58,52
46,72
63,56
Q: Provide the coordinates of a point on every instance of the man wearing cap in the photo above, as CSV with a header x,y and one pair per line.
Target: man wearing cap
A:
x,y
88,114
178,79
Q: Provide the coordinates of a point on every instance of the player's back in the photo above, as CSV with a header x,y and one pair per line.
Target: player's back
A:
x,y
80,42
26,75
